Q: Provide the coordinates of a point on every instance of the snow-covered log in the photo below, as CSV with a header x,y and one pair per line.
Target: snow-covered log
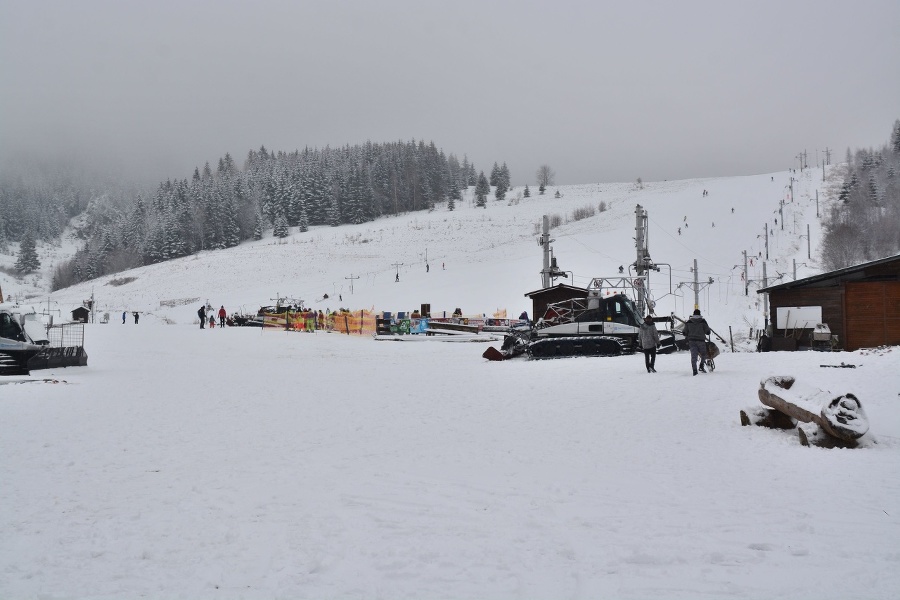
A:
x,y
840,417
767,417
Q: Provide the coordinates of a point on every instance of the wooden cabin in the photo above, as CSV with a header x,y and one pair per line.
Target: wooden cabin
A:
x,y
540,299
860,305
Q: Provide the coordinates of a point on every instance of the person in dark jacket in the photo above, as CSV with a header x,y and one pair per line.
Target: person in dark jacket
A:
x,y
695,331
648,337
202,314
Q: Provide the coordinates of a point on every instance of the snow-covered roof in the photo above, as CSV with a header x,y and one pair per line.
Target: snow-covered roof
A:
x,y
849,273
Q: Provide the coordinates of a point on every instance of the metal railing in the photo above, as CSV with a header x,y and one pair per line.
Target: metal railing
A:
x,y
66,335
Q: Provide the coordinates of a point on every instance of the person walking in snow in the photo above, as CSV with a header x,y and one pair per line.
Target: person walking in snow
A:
x,y
222,316
202,314
695,331
124,314
648,337
137,315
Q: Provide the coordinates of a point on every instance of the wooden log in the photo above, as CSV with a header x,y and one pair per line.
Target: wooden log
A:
x,y
844,418
841,417
793,409
814,435
765,417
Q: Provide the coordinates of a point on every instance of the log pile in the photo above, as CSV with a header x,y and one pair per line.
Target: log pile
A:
x,y
832,421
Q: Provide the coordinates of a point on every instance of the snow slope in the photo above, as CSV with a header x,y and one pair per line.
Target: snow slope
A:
x,y
482,260
240,463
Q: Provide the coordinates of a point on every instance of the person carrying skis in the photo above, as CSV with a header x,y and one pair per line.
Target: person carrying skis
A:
x,y
202,314
648,337
695,331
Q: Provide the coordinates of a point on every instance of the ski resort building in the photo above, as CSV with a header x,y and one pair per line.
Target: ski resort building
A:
x,y
860,306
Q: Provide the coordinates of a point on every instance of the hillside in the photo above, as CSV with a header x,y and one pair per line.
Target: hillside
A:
x,y
482,260
258,464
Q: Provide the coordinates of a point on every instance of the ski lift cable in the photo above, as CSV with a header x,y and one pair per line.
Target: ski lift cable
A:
x,y
595,251
683,245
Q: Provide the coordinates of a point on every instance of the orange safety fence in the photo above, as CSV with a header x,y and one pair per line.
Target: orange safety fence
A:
x,y
359,322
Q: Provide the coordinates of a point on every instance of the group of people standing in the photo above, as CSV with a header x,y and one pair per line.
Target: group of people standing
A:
x,y
695,331
207,311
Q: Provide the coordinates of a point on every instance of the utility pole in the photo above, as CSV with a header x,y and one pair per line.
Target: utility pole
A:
x,y
746,276
808,251
817,195
795,269
827,155
696,287
544,242
781,212
766,231
351,278
765,298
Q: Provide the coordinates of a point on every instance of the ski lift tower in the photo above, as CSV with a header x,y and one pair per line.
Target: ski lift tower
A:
x,y
644,264
551,270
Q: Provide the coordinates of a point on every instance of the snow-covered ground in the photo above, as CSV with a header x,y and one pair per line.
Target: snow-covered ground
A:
x,y
240,463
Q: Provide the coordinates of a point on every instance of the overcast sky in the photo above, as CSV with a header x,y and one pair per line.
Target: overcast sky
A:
x,y
600,91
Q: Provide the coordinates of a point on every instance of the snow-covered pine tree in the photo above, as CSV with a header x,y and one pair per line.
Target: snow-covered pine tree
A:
x,y
873,190
500,190
527,192
27,261
504,176
230,228
259,227
482,189
303,226
454,194
895,137
281,227
495,175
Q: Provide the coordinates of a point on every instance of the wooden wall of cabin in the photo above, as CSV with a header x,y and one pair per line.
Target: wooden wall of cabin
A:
x,y
872,317
541,300
831,299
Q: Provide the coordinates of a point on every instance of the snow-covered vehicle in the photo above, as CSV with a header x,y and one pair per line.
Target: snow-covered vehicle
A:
x,y
606,321
603,323
17,347
26,344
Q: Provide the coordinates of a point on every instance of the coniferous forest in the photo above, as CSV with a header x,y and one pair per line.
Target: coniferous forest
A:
x,y
222,206
864,223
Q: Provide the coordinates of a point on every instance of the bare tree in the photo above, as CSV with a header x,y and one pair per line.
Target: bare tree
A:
x,y
545,176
